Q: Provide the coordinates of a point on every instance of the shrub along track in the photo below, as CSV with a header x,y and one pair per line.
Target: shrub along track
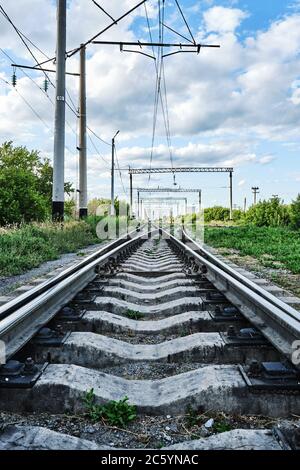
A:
x,y
150,325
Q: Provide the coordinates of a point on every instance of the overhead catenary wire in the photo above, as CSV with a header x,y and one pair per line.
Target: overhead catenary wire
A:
x,y
75,132
157,84
22,36
160,89
102,9
40,88
27,103
73,108
3,12
185,21
98,137
178,34
97,151
120,174
26,74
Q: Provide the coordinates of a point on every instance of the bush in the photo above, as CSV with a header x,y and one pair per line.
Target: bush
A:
x,y
238,215
27,246
295,213
25,185
216,213
272,213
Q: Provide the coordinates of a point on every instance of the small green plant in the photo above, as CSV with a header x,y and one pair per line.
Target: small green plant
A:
x,y
134,315
192,417
95,412
116,413
221,426
159,445
184,332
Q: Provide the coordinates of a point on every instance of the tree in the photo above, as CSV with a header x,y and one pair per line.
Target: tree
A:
x,y
101,207
216,213
271,213
70,208
98,206
295,213
25,185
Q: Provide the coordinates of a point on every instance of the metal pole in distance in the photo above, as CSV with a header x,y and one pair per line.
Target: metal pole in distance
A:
x,y
112,202
138,205
200,201
112,199
186,202
131,195
83,203
231,196
60,115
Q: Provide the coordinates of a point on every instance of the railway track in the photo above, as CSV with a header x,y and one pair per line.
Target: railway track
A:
x,y
197,348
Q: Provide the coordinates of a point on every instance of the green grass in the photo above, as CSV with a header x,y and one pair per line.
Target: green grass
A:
x,y
268,245
30,245
134,315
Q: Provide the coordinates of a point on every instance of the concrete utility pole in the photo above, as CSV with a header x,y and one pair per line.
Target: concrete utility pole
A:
x,y
200,201
83,203
255,191
112,202
245,204
58,193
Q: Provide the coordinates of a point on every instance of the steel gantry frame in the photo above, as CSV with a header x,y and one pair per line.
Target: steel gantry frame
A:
x,y
143,171
164,200
168,190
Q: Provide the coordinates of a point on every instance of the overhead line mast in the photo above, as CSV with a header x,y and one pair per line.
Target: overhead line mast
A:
x,y
58,195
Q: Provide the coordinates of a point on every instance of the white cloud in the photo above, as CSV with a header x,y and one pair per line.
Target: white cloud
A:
x,y
223,19
227,99
221,153
266,159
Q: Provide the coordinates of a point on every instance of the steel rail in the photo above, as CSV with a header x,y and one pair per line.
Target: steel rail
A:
x,y
19,327
278,322
23,299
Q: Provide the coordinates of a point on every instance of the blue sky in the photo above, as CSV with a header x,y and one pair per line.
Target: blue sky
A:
x,y
238,106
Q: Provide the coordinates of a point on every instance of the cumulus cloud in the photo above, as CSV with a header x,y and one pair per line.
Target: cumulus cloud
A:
x,y
223,19
227,99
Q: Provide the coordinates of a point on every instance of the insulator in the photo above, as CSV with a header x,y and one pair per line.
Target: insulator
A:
x,y
14,80
46,85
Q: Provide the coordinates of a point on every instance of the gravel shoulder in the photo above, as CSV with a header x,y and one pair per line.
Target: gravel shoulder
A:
x,y
8,284
279,276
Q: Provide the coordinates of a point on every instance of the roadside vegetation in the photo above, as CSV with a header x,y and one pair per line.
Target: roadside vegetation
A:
x,y
27,235
268,231
273,247
27,246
